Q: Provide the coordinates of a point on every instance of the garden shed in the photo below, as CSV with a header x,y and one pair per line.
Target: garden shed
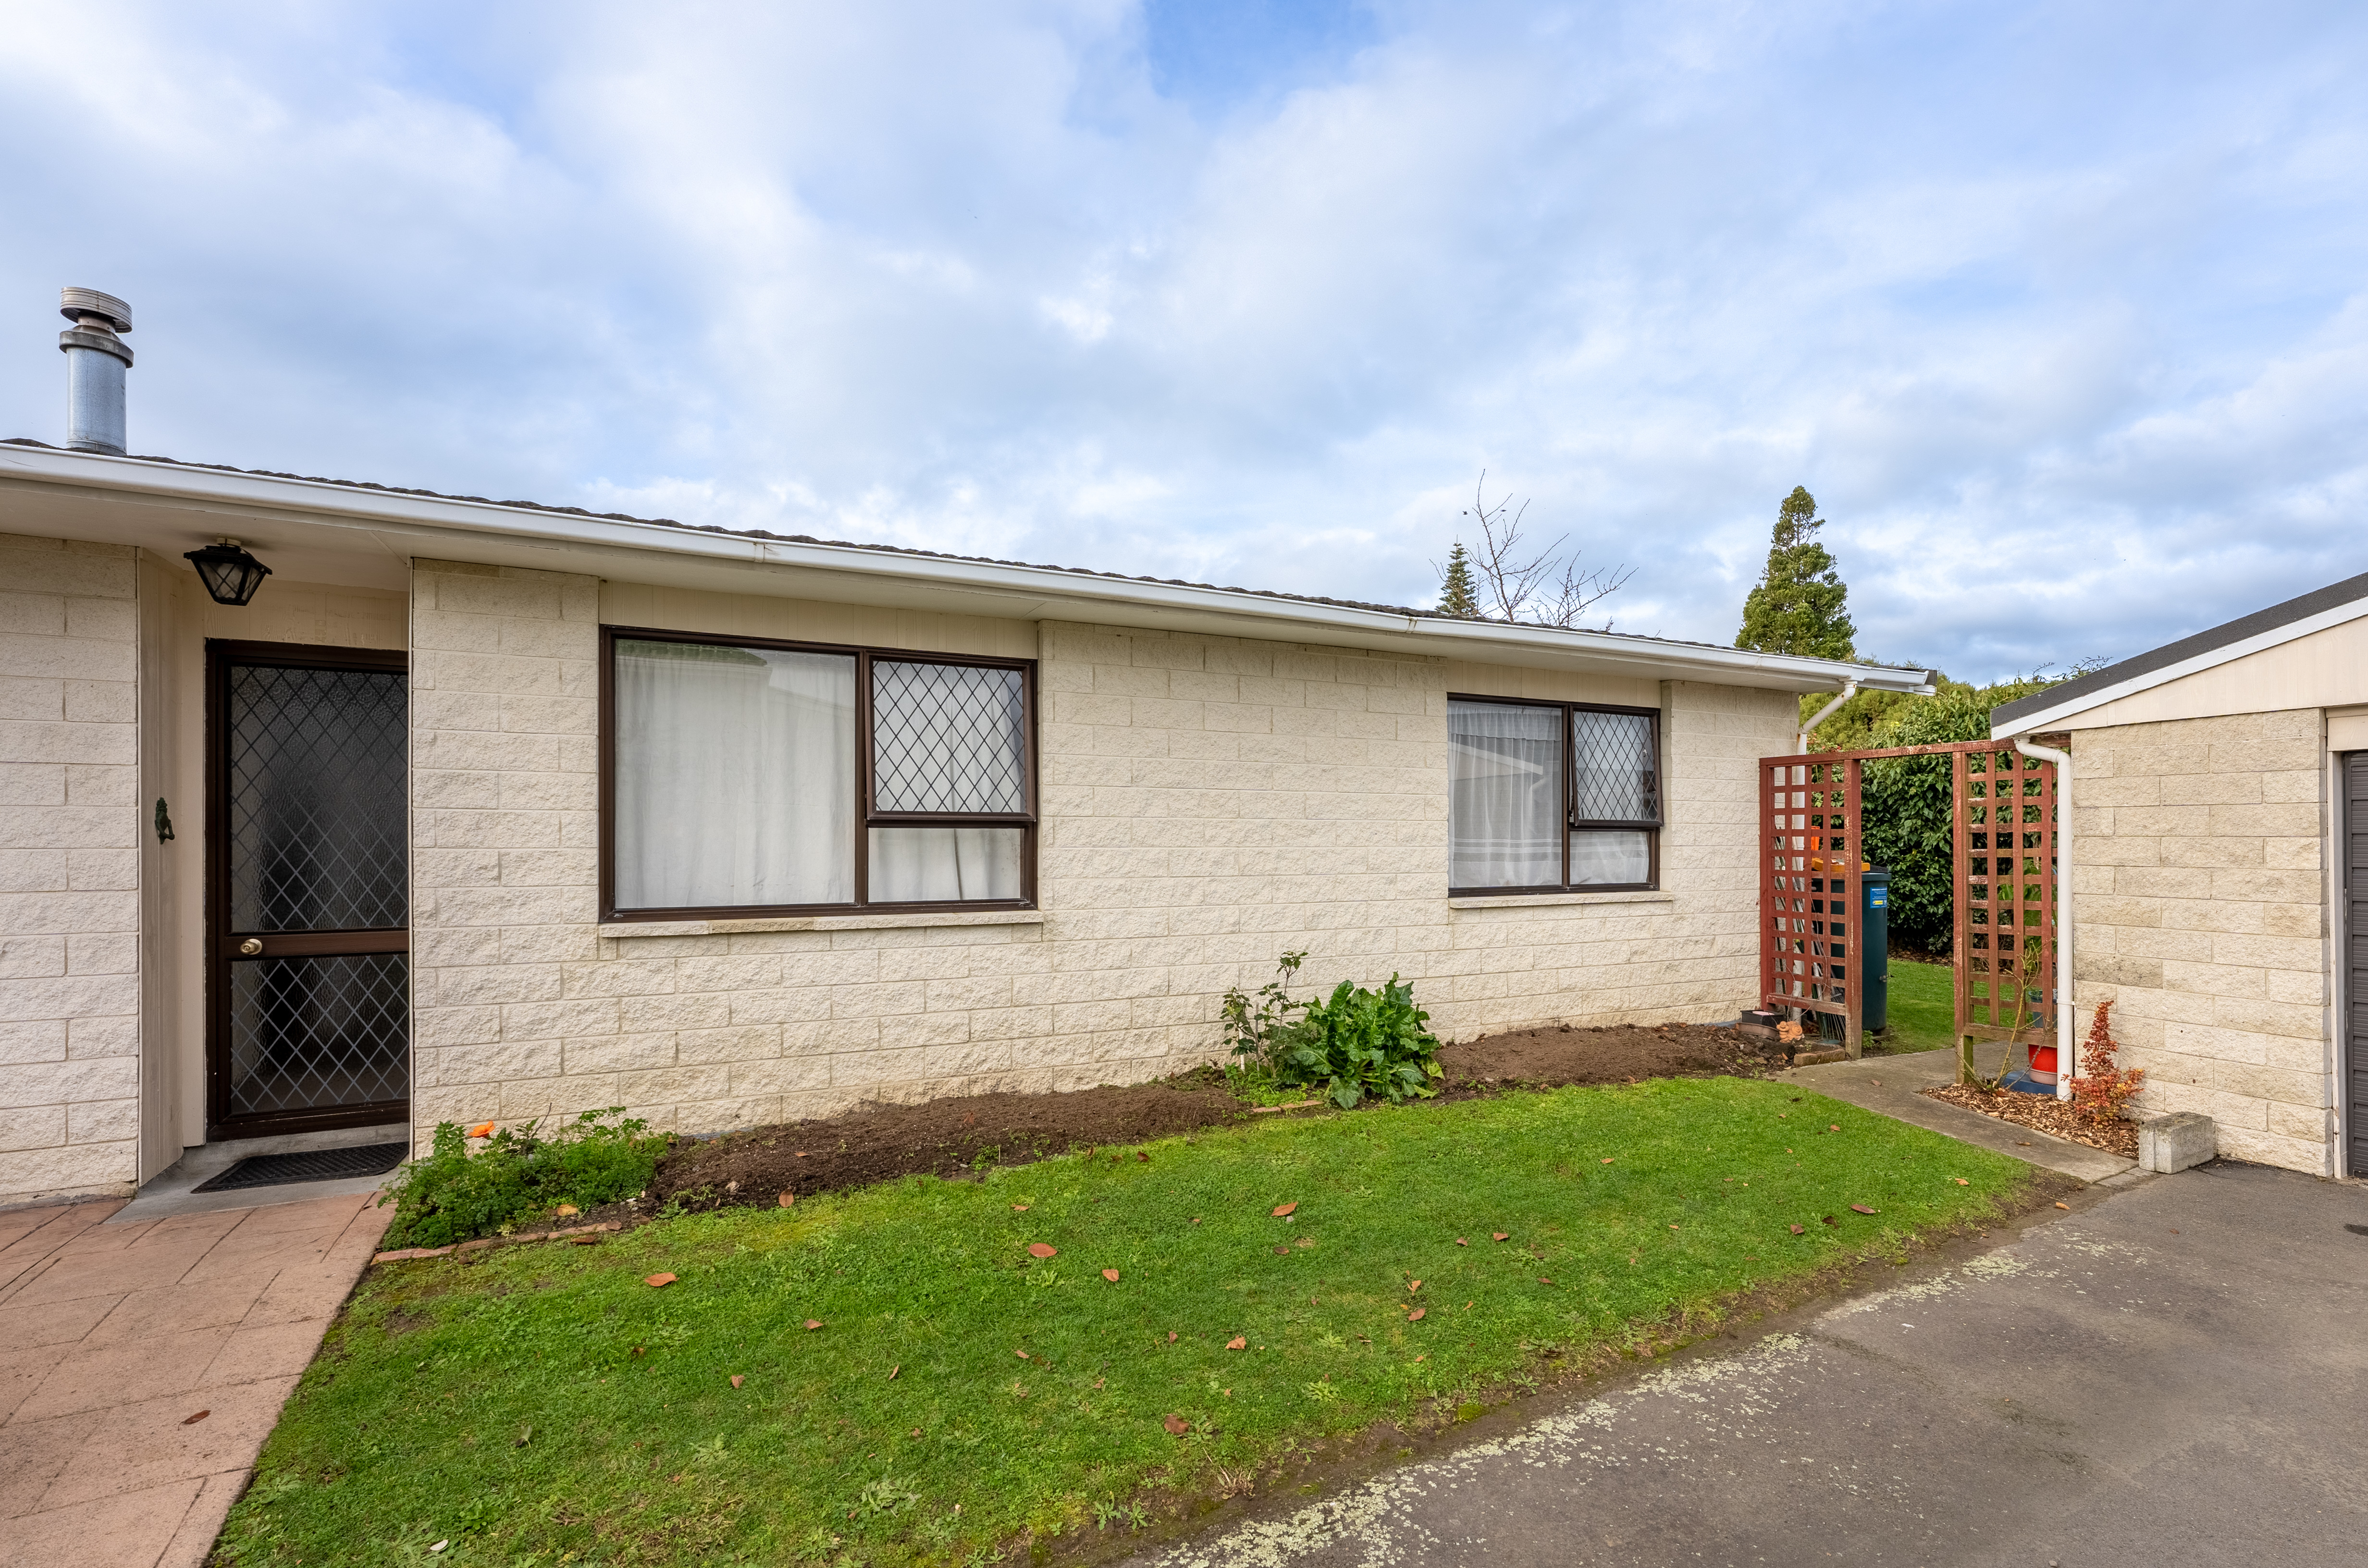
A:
x,y
2219,890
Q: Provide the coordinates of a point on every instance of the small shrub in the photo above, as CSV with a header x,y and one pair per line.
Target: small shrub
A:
x,y
453,1195
2105,1087
1353,1044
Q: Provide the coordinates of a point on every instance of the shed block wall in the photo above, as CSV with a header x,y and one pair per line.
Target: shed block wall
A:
x,y
69,867
1208,803
2199,889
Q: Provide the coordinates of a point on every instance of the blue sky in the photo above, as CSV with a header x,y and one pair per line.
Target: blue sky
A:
x,y
2061,310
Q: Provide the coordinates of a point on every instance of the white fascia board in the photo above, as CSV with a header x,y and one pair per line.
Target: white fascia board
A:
x,y
2210,658
444,525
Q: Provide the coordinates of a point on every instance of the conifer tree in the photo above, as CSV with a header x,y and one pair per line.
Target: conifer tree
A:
x,y
1457,596
1799,606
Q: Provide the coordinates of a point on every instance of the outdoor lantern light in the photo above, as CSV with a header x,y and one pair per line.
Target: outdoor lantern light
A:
x,y
230,574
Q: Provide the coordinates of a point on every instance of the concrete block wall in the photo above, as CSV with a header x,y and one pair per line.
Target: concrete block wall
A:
x,y
70,827
1207,803
2200,909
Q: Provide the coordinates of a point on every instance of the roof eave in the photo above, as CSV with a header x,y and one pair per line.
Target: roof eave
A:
x,y
452,520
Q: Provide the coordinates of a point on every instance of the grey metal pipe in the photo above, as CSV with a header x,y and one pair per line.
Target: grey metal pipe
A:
x,y
96,361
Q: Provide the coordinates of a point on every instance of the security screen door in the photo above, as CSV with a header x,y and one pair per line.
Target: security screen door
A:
x,y
308,897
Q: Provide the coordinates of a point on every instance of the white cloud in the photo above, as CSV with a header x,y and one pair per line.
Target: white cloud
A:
x,y
2057,312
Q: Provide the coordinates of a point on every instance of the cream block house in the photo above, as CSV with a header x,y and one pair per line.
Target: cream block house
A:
x,y
2220,872
493,810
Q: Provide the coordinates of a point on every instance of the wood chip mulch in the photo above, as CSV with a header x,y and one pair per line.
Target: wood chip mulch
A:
x,y
2047,1114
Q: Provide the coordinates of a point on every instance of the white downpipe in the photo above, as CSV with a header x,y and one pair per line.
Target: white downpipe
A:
x,y
2063,1048
1800,741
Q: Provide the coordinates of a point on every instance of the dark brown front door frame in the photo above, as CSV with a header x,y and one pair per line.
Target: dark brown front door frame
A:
x,y
222,945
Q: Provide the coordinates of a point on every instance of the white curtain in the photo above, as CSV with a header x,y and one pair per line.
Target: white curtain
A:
x,y
735,777
1610,856
1505,795
941,865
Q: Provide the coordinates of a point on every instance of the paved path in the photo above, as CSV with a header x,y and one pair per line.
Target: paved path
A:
x,y
1888,1083
2176,1374
111,1335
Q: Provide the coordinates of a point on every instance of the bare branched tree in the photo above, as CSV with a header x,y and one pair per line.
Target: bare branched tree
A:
x,y
1548,588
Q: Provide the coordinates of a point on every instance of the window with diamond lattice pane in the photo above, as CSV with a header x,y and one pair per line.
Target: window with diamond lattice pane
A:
x,y
1616,779
315,792
948,738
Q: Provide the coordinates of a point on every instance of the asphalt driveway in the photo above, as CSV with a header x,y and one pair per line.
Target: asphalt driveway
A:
x,y
2176,1373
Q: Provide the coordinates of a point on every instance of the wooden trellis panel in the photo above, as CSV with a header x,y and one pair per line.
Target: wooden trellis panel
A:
x,y
2005,832
1809,890
1811,858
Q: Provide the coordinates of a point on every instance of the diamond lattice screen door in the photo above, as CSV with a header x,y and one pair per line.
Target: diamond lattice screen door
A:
x,y
308,897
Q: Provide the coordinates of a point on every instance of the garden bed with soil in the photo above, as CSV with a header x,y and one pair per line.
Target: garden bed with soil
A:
x,y
961,1136
2046,1114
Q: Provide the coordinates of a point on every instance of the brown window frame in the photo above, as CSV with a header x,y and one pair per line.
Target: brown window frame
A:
x,y
866,818
1572,822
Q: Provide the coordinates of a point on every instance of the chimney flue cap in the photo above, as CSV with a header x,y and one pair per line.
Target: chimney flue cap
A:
x,y
76,303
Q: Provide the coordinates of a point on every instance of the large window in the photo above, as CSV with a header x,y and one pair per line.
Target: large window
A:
x,y
1552,797
748,778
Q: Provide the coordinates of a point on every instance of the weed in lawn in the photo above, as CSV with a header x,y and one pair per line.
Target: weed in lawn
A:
x,y
654,1457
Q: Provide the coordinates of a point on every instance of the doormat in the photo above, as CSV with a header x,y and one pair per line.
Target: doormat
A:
x,y
313,1164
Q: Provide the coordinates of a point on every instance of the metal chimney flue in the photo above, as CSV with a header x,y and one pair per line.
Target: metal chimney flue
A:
x,y
95,360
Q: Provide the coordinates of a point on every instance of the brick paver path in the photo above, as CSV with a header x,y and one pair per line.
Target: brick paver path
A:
x,y
111,1337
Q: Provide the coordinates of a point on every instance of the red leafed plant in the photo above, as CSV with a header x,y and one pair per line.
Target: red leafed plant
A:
x,y
2104,1087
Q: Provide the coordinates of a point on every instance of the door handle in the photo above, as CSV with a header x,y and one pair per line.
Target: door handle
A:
x,y
251,946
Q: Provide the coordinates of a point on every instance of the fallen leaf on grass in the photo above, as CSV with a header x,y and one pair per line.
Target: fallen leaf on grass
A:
x,y
787,1198
1110,1274
1416,1315
1196,1218
1962,1182
1176,1426
1171,1337
566,1209
1022,1354
1038,1249
1285,1248
193,1420
1462,1243
1282,1209
1019,1208
1237,1343
1797,1230
1607,1159
658,1281
1860,1209
1414,1284
812,1323
737,1380
891,1374
1543,1280
1833,1127
439,1546
1142,1159
1831,1220
1501,1236
917,1432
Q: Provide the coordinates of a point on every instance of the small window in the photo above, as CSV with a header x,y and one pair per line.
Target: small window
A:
x,y
753,777
1552,797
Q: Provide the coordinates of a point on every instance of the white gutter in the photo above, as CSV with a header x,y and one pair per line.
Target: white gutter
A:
x,y
2063,761
1849,689
325,503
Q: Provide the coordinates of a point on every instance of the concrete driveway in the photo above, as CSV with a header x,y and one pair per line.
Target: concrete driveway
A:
x,y
2175,1373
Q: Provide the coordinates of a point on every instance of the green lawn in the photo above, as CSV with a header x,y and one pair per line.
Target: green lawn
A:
x,y
1922,1014
545,1405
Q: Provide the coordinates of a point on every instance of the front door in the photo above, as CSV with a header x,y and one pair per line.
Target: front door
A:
x,y
308,897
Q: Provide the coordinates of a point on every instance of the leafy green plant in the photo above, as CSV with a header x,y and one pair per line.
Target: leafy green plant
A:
x,y
454,1194
1253,1024
1357,1043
